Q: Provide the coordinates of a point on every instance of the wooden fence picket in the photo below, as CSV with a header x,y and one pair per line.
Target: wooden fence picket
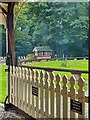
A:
x,y
24,88
25,81
58,97
16,80
15,88
22,101
37,97
72,94
29,93
20,87
11,85
14,85
46,96
81,97
33,101
65,97
51,95
41,95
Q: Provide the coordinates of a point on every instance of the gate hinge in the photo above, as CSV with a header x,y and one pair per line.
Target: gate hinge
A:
x,y
7,70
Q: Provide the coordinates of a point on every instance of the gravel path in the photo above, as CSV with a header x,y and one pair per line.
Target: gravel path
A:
x,y
12,115
9,115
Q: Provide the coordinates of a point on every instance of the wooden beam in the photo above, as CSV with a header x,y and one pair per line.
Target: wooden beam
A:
x,y
10,31
12,6
3,19
3,10
19,10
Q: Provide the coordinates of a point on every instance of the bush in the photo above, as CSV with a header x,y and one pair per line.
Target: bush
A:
x,y
30,56
64,63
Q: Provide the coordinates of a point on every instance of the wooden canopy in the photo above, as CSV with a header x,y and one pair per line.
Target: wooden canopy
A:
x,y
8,19
3,13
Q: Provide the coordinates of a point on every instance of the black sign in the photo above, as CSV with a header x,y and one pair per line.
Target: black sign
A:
x,y
76,106
34,91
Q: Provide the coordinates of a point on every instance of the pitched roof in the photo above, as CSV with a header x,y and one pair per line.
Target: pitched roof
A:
x,y
42,48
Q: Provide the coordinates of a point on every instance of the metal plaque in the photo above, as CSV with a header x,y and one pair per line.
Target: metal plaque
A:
x,y
34,91
76,106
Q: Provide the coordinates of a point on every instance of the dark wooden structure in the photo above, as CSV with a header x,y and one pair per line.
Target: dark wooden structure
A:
x,y
8,19
43,52
7,11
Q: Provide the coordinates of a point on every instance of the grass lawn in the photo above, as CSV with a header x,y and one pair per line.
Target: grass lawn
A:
x,y
70,64
3,86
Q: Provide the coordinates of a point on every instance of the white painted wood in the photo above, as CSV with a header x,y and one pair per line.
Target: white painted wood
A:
x,y
58,98
22,86
41,95
81,97
72,94
65,97
21,83
37,97
33,101
29,93
11,85
51,96
46,96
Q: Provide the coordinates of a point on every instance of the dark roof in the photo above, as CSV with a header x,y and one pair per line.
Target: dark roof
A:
x,y
42,48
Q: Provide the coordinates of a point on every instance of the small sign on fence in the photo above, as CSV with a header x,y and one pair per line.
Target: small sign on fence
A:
x,y
76,106
34,91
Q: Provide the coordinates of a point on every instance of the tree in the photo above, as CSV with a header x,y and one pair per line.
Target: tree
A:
x,y
62,26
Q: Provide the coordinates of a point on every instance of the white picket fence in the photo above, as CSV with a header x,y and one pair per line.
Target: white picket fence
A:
x,y
2,60
42,94
22,57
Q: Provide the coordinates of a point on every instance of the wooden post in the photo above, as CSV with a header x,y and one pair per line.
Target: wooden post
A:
x,y
10,30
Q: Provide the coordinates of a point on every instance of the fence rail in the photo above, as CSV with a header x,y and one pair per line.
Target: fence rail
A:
x,y
42,94
55,69
25,59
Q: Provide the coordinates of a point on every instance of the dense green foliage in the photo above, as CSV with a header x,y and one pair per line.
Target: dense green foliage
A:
x,y
60,25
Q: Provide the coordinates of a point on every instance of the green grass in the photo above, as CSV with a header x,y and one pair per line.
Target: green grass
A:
x,y
70,64
3,86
